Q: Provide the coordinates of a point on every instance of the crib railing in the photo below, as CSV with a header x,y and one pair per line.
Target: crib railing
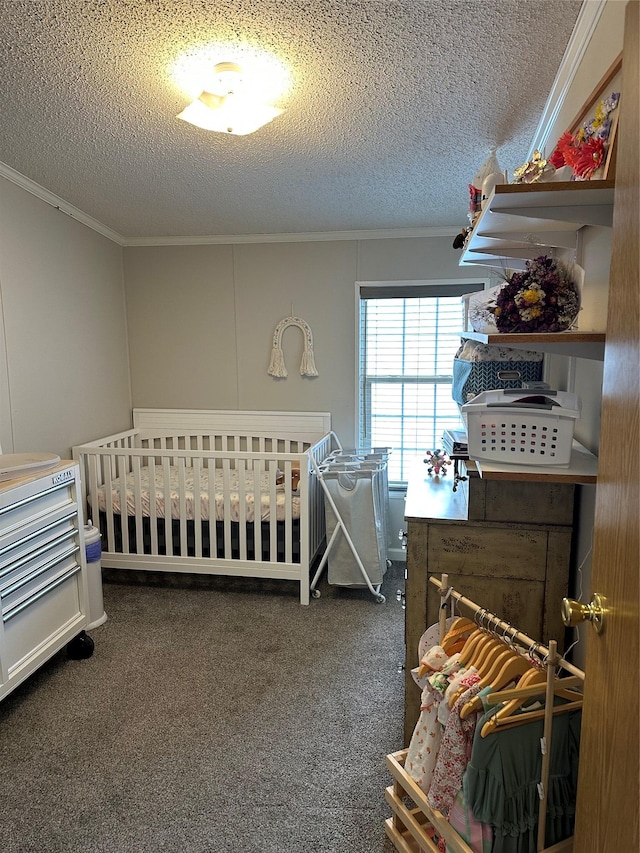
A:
x,y
108,463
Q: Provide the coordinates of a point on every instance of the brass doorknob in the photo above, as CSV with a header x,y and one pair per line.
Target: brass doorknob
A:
x,y
574,612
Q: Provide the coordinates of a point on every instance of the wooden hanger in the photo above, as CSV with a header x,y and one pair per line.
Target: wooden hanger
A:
x,y
472,641
513,667
482,662
478,646
531,685
456,637
476,638
495,664
562,687
507,668
493,652
460,630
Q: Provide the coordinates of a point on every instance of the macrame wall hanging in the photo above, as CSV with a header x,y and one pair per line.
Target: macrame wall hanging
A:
x,y
307,365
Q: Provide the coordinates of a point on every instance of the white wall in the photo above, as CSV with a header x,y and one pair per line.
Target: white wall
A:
x,y
201,319
182,328
602,50
64,372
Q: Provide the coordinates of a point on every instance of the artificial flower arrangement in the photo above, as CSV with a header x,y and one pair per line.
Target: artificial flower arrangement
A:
x,y
585,151
542,298
536,169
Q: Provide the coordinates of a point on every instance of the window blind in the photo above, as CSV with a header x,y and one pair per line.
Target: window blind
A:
x,y
408,339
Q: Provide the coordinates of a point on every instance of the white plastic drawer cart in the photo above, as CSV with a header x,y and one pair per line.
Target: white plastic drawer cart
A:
x,y
43,589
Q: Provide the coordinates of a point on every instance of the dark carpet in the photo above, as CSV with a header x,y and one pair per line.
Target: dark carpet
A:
x,y
214,715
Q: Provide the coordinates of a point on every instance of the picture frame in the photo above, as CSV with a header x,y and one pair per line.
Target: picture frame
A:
x,y
610,82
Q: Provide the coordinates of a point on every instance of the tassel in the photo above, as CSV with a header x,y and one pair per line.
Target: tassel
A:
x,y
276,366
307,365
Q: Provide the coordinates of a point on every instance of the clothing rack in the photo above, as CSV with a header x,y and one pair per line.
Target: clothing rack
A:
x,y
410,827
477,610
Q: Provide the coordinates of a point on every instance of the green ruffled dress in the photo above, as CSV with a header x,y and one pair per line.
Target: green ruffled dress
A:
x,y
501,781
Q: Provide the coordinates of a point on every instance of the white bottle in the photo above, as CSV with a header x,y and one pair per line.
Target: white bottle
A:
x,y
490,175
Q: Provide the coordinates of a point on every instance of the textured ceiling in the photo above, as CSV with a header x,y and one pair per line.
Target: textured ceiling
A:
x,y
393,108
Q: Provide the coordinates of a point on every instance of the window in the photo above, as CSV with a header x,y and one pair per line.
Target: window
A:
x,y
409,335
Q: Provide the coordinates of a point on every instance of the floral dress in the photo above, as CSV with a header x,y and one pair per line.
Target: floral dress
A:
x,y
455,751
425,741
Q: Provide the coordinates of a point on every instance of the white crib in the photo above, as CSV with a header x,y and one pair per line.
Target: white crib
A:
x,y
211,492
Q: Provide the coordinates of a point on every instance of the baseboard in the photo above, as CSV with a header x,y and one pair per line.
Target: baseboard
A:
x,y
398,555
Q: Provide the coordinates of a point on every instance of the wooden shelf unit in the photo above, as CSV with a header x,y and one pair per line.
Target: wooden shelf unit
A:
x,y
408,828
412,818
583,470
521,221
571,343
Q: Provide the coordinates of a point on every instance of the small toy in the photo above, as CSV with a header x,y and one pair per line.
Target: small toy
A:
x,y
437,460
461,238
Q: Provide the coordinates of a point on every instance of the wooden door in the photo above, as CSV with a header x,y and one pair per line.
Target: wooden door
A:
x,y
608,795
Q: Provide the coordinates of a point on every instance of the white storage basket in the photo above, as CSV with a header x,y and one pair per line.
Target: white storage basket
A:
x,y
520,428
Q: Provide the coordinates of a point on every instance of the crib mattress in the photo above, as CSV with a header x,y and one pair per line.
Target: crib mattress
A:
x,y
208,495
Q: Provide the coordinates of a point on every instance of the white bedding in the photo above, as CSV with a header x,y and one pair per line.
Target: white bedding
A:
x,y
218,494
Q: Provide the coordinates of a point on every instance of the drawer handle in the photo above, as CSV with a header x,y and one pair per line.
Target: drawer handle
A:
x,y
38,595
35,497
39,551
42,570
38,532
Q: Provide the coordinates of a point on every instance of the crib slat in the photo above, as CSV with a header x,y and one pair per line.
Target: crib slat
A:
x,y
213,509
167,514
198,508
257,511
286,522
121,470
226,492
109,463
93,477
182,503
153,506
242,508
175,444
137,495
272,467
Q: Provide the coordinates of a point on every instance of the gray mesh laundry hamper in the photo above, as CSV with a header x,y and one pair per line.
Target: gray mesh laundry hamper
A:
x,y
356,492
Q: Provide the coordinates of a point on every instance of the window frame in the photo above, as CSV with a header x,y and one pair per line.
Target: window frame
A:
x,y
404,289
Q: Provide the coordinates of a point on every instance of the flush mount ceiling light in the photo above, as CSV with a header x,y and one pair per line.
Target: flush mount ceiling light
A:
x,y
229,106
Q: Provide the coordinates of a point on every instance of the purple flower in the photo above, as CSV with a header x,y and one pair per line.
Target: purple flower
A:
x,y
555,313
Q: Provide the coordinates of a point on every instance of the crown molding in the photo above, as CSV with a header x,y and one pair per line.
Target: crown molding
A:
x,y
219,239
306,237
586,23
59,203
